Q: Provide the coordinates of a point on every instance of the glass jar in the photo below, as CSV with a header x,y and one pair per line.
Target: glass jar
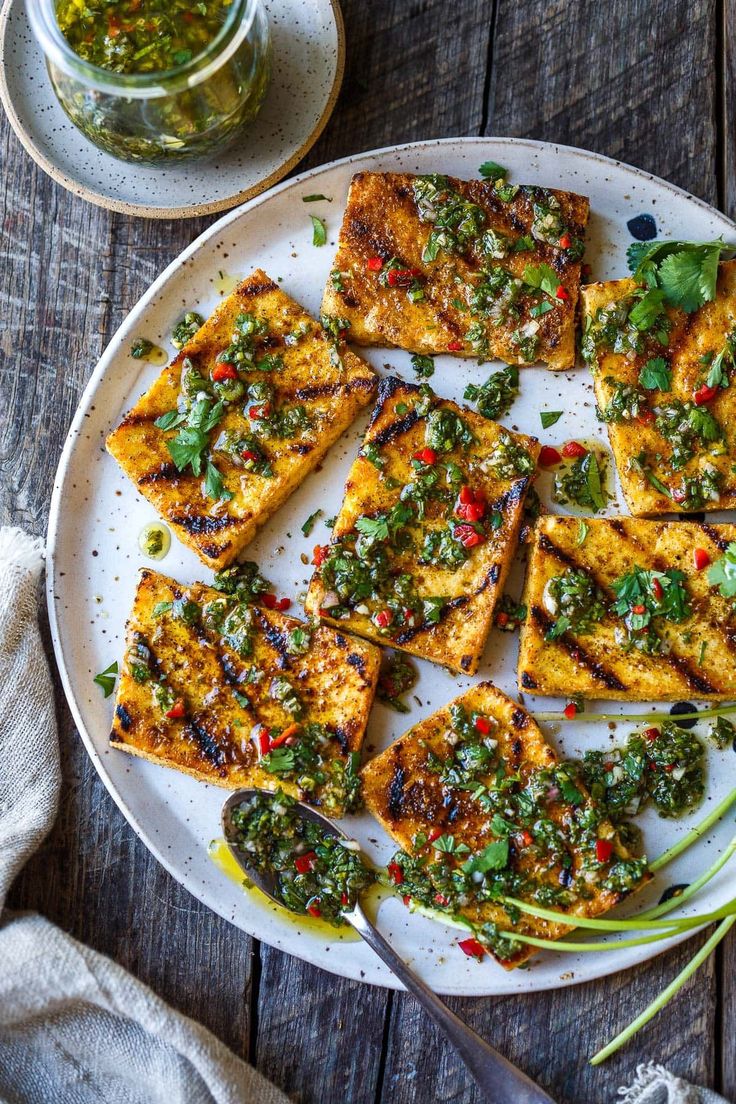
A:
x,y
155,118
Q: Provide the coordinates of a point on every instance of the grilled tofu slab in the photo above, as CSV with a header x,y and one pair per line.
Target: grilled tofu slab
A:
x,y
238,695
476,779
425,536
627,614
671,433
262,391
434,264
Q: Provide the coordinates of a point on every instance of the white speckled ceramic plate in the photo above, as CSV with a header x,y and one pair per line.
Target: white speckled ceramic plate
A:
x,y
96,517
308,60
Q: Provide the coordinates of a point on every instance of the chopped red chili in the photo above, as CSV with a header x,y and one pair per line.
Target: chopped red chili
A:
x,y
472,948
704,395
701,558
374,264
570,710
304,863
603,850
224,372
177,710
562,292
483,725
574,450
549,456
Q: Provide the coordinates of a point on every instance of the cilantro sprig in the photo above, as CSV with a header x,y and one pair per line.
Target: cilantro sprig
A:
x,y
685,272
722,573
188,448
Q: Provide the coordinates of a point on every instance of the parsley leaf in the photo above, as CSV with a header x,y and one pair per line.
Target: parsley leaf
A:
x,y
549,417
319,231
686,272
308,525
490,170
214,486
656,375
493,857
106,679
541,276
423,365
722,573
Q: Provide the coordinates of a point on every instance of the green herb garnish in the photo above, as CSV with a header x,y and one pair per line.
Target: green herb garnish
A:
x,y
106,679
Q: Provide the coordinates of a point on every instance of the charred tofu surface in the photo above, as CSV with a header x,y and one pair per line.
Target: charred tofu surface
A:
x,y
481,809
427,529
433,264
240,417
664,385
238,695
627,611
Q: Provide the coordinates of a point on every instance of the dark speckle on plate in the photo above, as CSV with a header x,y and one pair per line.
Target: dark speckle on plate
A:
x,y
683,707
642,227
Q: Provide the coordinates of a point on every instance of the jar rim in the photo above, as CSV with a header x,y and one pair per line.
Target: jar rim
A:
x,y
56,48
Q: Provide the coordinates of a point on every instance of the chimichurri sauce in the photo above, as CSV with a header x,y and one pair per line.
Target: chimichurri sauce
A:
x,y
317,874
140,36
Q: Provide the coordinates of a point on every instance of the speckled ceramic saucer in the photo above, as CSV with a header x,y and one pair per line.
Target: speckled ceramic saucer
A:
x,y
308,61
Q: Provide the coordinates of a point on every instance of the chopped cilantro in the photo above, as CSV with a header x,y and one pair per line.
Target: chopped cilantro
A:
x,y
106,679
319,231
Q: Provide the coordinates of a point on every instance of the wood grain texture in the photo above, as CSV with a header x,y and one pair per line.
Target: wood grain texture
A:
x,y
652,83
633,80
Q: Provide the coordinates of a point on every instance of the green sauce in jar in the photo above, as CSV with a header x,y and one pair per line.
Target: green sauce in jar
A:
x,y
140,36
153,82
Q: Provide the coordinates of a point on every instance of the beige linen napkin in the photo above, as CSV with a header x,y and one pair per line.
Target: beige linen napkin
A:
x,y
74,1027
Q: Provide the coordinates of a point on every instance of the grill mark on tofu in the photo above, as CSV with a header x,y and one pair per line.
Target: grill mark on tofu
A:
x,y
253,287
396,793
577,652
122,714
712,533
204,524
207,743
694,681
394,429
164,473
274,637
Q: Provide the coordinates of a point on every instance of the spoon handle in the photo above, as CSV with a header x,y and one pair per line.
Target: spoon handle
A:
x,y
500,1081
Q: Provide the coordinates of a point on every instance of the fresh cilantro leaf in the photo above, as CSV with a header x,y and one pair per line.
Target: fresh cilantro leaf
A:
x,y
549,417
186,449
541,276
656,375
161,608
308,525
647,310
722,573
688,279
542,308
315,198
375,528
423,366
583,530
279,761
106,679
214,486
593,480
493,857
169,420
685,271
447,844
319,234
490,170
241,699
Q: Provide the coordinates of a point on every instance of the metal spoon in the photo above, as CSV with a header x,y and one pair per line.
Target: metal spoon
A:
x,y
499,1080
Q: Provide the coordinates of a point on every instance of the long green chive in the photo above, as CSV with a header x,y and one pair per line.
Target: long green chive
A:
x,y
718,711
666,995
694,834
584,921
692,889
687,924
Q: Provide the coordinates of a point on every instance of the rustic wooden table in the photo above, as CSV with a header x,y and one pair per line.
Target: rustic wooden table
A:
x,y
650,81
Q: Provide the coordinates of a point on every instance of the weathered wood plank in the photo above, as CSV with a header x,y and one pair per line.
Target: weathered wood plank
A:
x,y
319,1037
552,1035
414,69
635,81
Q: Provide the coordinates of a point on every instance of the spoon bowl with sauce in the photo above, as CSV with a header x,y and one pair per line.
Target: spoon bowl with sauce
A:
x,y
302,861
